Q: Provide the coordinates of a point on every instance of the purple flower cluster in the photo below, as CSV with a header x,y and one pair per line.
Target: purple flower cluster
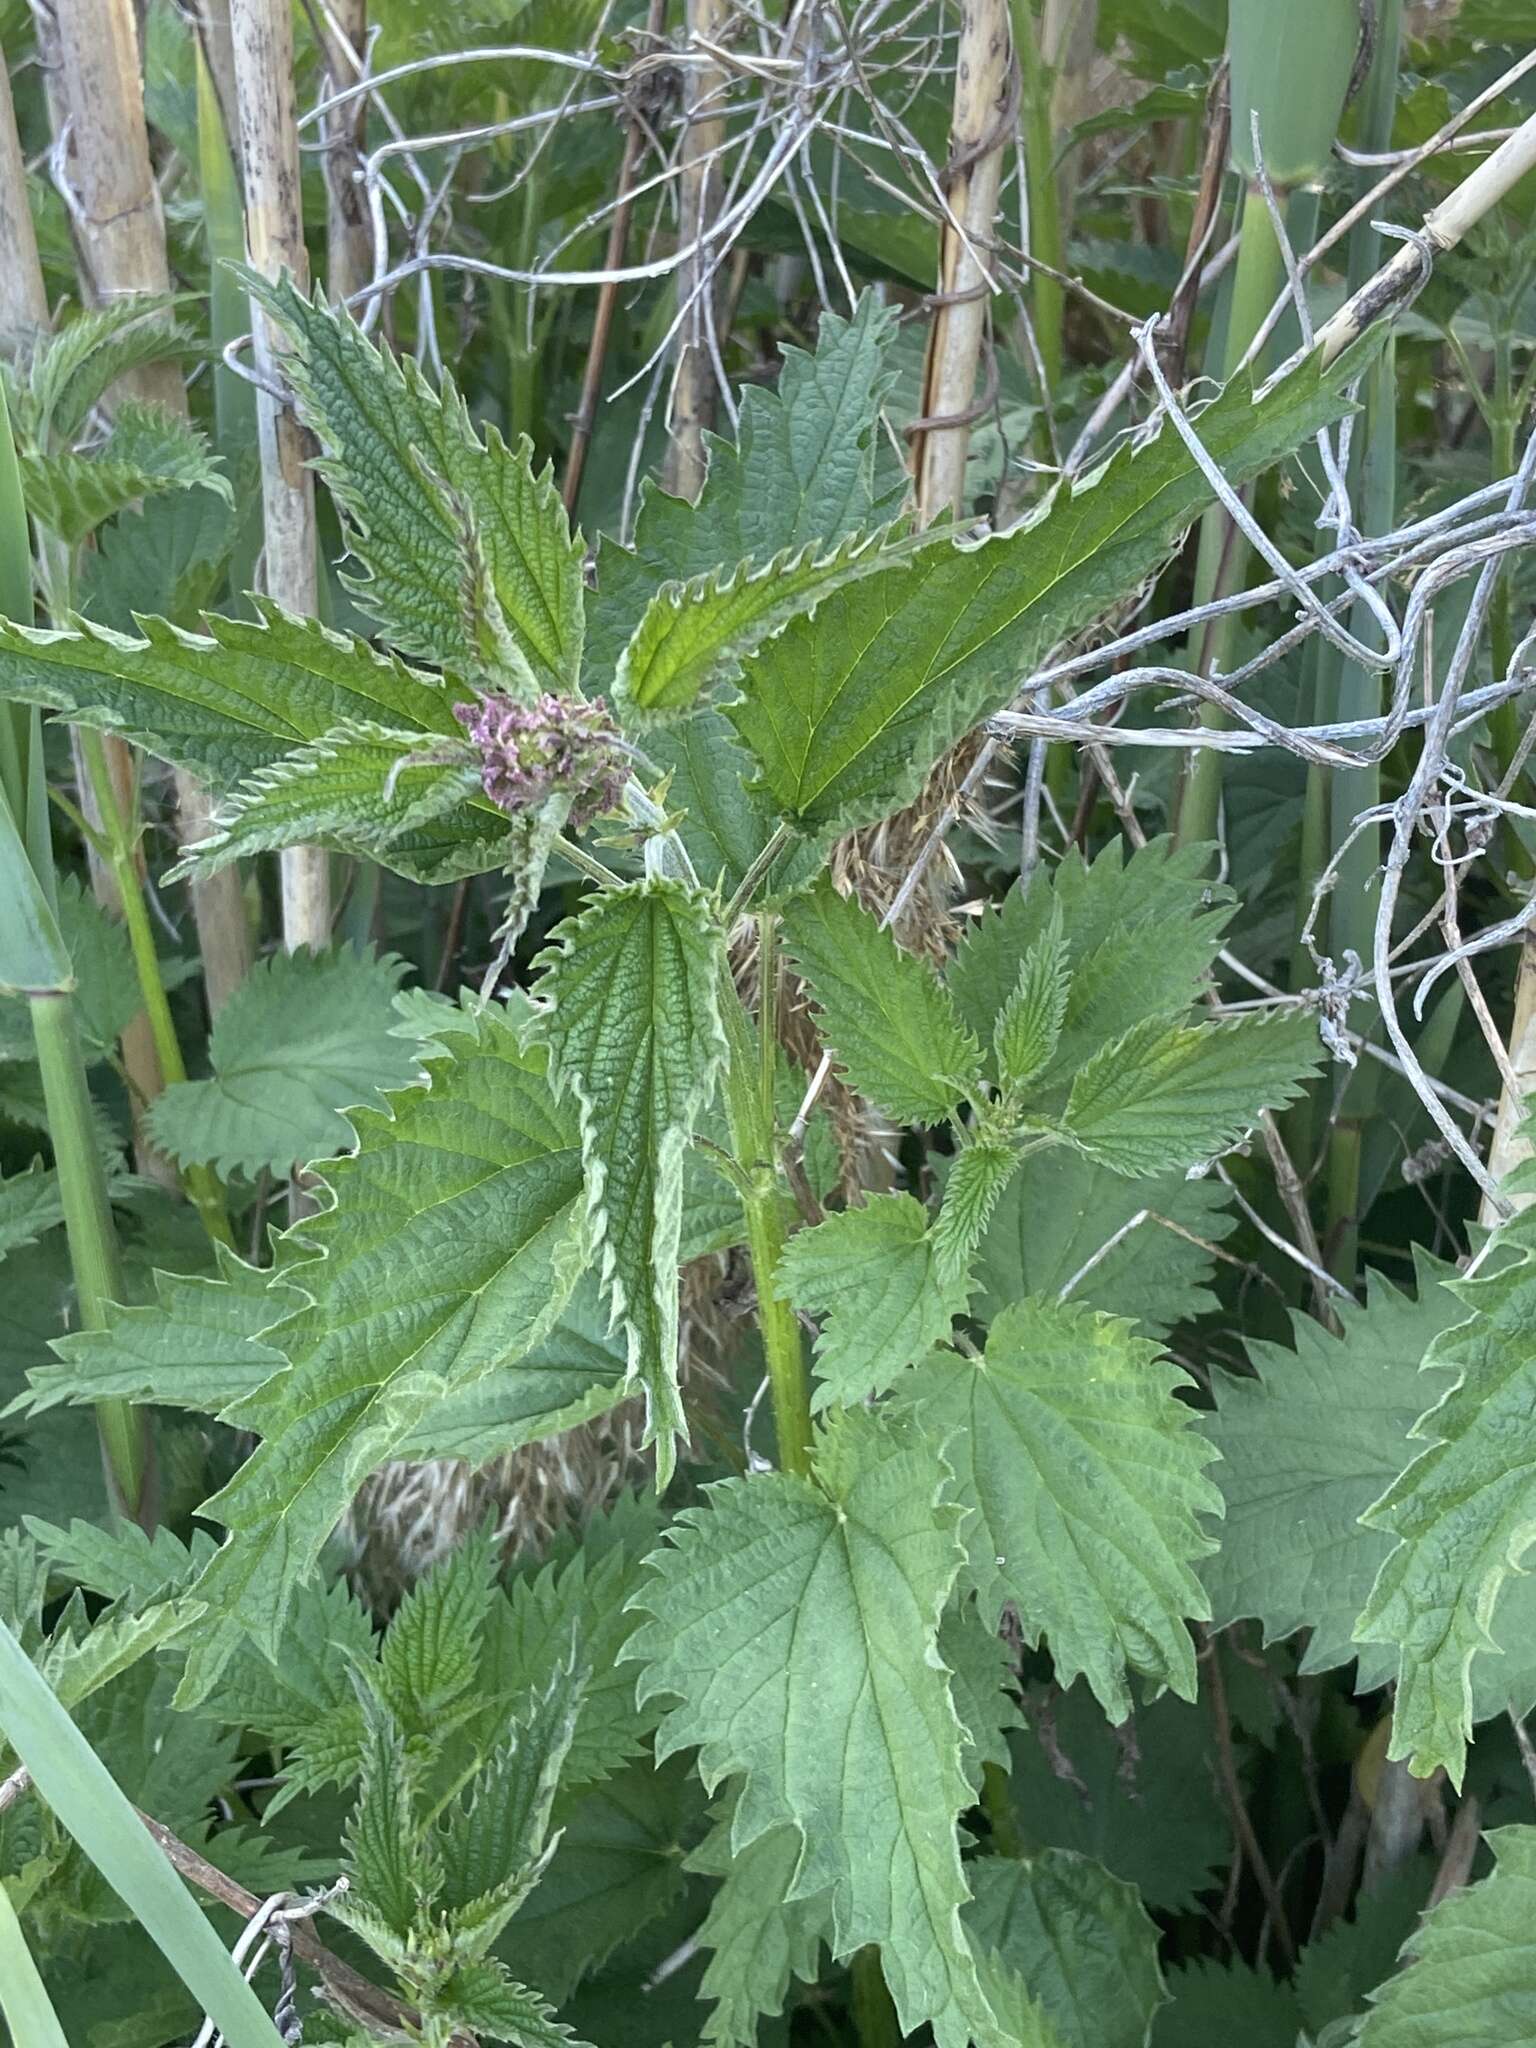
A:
x,y
529,751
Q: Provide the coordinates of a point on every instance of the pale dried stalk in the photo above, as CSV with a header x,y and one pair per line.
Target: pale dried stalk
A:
x,y
1478,193
120,235
23,300
986,97
699,185
1508,1147
342,27
262,32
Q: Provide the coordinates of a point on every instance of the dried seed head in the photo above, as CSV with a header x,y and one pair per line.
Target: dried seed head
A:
x,y
528,752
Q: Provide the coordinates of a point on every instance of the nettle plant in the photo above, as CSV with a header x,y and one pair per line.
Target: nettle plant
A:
x,y
775,1719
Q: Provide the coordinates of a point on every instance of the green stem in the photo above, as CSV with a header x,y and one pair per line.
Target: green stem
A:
x,y
1046,296
1222,559
767,1015
874,2016
997,1804
125,1435
1346,690
200,1182
750,1109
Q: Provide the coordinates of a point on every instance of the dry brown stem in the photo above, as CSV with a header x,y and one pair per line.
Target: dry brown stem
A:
x,y
693,390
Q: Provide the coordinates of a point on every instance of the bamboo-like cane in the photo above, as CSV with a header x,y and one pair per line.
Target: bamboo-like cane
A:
x,y
985,110
343,33
693,389
23,300
120,234
262,31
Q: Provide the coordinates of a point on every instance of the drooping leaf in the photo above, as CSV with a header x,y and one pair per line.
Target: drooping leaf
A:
x,y
305,1036
409,470
1460,1513
632,1021
849,707
1306,1447
1176,1094
1079,1938
1086,1480
449,1253
873,1275
761,1937
884,1014
804,468
224,703
794,1621
1471,1982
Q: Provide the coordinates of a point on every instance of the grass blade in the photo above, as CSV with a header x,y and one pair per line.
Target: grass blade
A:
x,y
78,1787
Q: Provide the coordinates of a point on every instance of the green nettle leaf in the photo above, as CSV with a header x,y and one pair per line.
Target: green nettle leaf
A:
x,y
1079,1938
1140,937
387,796
225,703
884,1014
619,1865
106,986
148,451
450,1251
483,1996
1141,1799
982,1673
848,708
805,468
1471,1982
30,1203
305,1036
1214,2004
873,1274
1086,1481
198,1345
1460,1513
1306,1447
1057,1227
71,371
972,1190
761,1938
631,1017
795,1623
164,558
1176,1094
409,470
695,634
724,823
1028,1026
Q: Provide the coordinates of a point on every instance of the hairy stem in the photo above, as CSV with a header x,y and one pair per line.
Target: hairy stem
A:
x,y
200,1182
127,1446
